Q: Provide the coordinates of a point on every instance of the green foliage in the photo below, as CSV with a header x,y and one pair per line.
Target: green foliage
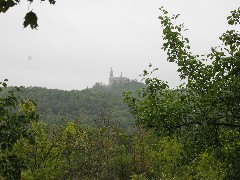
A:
x,y
193,130
74,151
70,151
209,167
15,119
86,106
5,5
211,96
138,177
30,18
202,112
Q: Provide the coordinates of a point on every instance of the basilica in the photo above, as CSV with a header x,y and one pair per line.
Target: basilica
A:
x,y
117,80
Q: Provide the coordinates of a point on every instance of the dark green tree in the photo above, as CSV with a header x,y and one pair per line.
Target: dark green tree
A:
x,y
15,118
204,112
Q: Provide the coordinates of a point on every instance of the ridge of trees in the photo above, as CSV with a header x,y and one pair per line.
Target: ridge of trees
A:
x,y
84,106
189,132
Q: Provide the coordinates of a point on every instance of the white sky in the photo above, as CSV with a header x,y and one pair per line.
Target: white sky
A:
x,y
78,41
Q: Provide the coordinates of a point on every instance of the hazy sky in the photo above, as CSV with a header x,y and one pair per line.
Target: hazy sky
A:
x,y
78,41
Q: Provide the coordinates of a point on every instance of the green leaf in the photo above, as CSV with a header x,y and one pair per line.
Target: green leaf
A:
x,y
4,84
6,4
3,146
145,72
52,1
30,19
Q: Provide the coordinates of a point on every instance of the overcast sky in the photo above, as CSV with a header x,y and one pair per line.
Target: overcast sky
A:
x,y
78,41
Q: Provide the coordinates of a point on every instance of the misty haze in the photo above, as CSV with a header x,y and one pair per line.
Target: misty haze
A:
x,y
130,89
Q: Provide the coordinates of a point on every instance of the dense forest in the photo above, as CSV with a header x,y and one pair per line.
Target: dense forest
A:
x,y
188,132
84,106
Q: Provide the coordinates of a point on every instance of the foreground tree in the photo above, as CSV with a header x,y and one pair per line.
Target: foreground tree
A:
x,y
204,113
15,119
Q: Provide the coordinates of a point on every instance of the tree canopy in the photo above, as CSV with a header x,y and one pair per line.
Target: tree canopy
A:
x,y
211,94
15,119
188,132
203,112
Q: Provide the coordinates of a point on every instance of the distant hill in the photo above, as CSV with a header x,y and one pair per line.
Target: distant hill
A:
x,y
89,106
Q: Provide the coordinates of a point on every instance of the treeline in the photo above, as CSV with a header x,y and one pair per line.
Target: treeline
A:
x,y
35,150
72,151
85,106
190,132
31,149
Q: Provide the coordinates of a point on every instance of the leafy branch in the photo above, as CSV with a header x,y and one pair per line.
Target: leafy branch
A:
x,y
30,18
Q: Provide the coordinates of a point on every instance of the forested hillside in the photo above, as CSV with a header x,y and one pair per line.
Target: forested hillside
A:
x,y
188,132
84,106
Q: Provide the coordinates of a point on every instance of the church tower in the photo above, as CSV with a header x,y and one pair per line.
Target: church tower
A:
x,y
111,73
111,77
117,80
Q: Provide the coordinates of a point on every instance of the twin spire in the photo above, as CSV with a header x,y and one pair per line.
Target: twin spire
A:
x,y
117,80
111,73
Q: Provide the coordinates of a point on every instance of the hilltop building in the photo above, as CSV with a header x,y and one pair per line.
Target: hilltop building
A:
x,y
117,80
